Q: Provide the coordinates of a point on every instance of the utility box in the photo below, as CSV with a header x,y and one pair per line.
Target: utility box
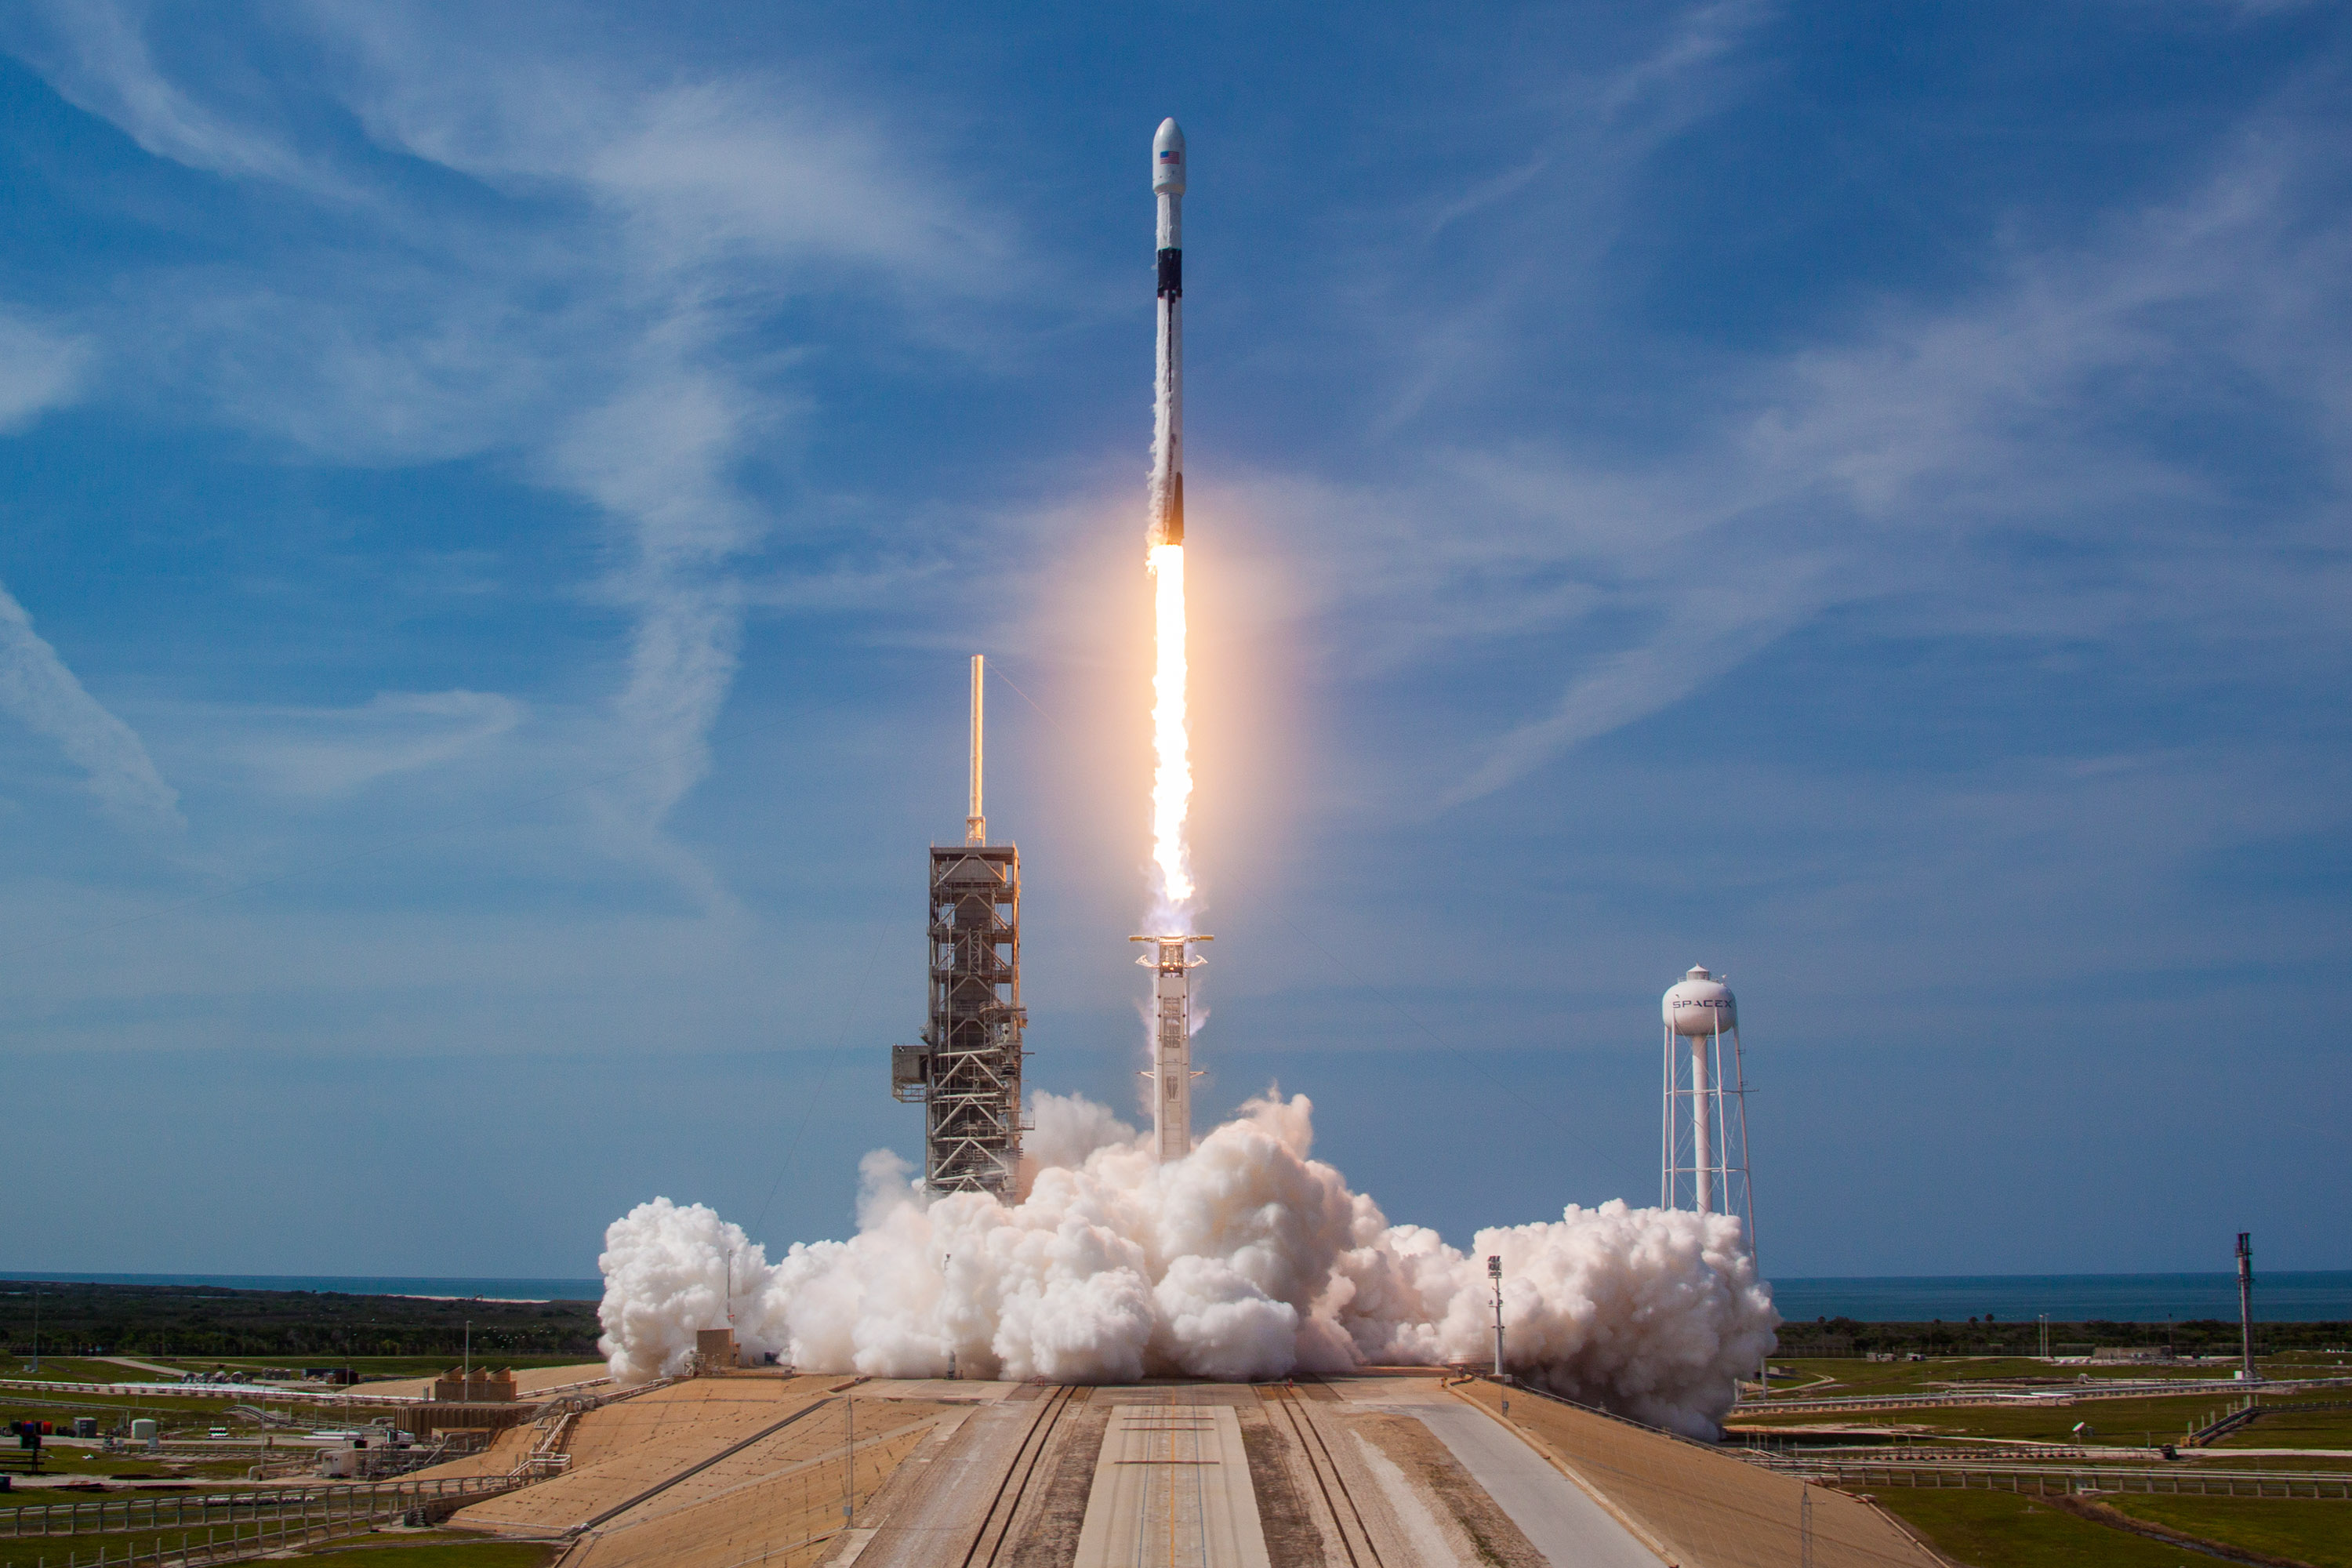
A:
x,y
85,1426
143,1431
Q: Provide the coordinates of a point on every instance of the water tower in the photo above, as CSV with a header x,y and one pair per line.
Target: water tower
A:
x,y
1704,1165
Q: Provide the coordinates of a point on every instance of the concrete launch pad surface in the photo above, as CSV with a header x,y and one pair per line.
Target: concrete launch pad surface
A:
x,y
1372,1471
1560,1519
1173,1485
1696,1505
958,1489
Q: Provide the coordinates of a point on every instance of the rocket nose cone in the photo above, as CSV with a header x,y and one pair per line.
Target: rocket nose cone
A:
x,y
1168,159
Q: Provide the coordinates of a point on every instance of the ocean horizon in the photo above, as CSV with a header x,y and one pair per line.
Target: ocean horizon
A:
x,y
467,1289
2306,1296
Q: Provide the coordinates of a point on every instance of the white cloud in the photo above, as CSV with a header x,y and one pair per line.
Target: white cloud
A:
x,y
325,752
579,320
39,369
2043,458
96,54
42,693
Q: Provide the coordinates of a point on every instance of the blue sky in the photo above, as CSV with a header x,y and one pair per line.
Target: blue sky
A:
x,y
494,501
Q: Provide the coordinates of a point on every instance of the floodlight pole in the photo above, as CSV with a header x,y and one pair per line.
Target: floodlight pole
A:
x,y
1494,1273
848,1462
2246,1304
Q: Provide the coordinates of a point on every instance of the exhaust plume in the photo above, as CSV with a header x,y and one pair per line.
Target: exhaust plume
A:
x,y
1245,1259
1171,774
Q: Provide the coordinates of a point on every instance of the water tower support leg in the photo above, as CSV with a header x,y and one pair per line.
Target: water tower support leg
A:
x,y
1701,1156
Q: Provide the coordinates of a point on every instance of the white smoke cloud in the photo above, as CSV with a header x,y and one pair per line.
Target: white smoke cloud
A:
x,y
1249,1259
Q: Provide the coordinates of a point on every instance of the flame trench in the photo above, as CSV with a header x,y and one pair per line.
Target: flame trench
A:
x,y
1172,779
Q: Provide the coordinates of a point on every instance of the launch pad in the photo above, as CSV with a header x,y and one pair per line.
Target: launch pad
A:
x,y
1383,1467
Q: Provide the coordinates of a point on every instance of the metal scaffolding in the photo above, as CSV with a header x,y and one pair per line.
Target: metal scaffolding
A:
x,y
967,1071
968,1076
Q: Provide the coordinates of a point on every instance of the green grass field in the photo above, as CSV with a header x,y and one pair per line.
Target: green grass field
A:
x,y
2003,1530
1850,1377
60,1460
2128,1422
76,1369
396,1365
2292,1429
2222,1459
2125,1423
2307,1529
171,1409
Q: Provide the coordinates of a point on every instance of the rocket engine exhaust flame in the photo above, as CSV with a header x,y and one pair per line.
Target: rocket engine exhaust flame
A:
x,y
1172,777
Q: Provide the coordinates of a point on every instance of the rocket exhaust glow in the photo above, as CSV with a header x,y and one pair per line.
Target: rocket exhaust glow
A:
x,y
1172,775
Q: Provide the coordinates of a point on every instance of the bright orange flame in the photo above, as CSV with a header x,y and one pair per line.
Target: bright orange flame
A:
x,y
1171,778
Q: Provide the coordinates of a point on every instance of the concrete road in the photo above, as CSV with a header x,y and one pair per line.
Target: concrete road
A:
x,y
1557,1516
944,1491
1172,1491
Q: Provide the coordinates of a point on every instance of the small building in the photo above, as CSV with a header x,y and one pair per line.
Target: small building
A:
x,y
479,1386
714,1352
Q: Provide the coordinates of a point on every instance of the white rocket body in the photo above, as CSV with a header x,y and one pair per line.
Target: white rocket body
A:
x,y
1167,525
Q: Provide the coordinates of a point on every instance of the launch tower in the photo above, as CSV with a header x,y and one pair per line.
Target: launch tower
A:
x,y
967,1072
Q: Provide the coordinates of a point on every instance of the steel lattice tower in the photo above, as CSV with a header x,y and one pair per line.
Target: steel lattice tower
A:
x,y
967,1072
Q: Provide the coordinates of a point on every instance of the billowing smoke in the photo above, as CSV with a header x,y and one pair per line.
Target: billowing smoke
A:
x,y
1249,1260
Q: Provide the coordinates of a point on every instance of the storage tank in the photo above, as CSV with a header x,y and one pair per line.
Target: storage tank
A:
x,y
1699,1003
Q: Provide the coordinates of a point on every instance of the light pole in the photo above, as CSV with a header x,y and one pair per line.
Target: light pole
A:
x,y
2246,1304
848,1462
1494,1274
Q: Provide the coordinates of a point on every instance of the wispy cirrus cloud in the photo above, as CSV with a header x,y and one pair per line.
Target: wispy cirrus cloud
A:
x,y
2055,453
40,368
324,753
579,314
42,693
